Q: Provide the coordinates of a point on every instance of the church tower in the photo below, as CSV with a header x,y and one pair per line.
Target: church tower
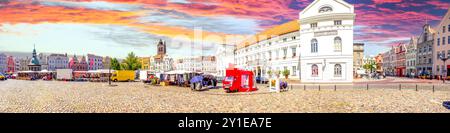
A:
x,y
161,48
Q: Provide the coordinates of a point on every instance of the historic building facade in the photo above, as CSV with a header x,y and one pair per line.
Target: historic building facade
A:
x,y
94,62
271,51
326,39
442,46
43,60
411,54
358,55
3,63
78,65
425,51
379,63
205,64
58,61
400,61
224,58
145,63
11,64
161,61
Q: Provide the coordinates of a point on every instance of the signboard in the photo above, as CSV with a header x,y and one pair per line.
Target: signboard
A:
x,y
325,33
274,85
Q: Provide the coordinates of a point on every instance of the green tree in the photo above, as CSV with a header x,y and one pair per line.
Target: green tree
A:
x,y
370,66
131,62
286,73
115,65
270,73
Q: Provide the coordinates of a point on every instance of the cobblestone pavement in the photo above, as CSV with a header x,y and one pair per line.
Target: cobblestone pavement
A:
x,y
86,97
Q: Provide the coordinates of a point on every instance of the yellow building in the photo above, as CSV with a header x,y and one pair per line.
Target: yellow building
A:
x,y
145,63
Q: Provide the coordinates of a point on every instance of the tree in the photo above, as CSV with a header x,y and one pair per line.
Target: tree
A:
x,y
286,73
115,65
370,66
270,73
131,62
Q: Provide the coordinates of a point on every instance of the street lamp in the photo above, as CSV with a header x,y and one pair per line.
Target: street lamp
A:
x,y
444,59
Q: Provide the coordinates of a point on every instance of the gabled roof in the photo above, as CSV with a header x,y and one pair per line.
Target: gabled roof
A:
x,y
289,27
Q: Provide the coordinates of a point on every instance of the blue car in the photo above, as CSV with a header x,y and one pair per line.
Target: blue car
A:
x,y
446,104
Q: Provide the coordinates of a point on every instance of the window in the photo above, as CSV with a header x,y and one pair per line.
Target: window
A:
x,y
443,41
443,29
294,51
314,47
337,44
337,22
337,70
425,37
284,39
313,25
285,53
314,70
293,38
430,48
294,71
438,68
325,9
448,40
438,41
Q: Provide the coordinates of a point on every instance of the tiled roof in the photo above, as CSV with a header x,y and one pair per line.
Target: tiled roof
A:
x,y
285,28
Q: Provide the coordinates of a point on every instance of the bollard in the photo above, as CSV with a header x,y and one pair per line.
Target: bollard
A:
x,y
334,87
319,87
400,87
416,88
433,88
367,87
292,87
304,87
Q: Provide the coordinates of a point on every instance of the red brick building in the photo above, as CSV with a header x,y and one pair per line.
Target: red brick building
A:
x,y
400,62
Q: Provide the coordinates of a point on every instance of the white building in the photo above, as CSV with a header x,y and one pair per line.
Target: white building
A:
x,y
225,54
274,50
205,64
164,64
94,62
326,38
58,61
43,60
411,52
3,63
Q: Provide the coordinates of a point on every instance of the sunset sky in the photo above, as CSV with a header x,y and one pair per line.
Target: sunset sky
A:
x,y
116,27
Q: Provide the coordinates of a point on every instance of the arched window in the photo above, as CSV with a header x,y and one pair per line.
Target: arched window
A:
x,y
325,9
314,47
337,70
337,44
314,70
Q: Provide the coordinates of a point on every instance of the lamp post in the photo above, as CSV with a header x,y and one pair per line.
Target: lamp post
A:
x,y
444,59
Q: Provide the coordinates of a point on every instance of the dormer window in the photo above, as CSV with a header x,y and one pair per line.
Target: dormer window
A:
x,y
325,9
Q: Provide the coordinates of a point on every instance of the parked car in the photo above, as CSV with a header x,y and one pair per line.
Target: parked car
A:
x,y
2,77
262,80
11,76
446,104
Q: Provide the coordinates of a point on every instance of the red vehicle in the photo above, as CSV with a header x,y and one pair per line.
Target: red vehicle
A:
x,y
239,81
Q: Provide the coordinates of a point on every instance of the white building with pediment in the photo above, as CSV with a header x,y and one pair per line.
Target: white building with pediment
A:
x,y
326,40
